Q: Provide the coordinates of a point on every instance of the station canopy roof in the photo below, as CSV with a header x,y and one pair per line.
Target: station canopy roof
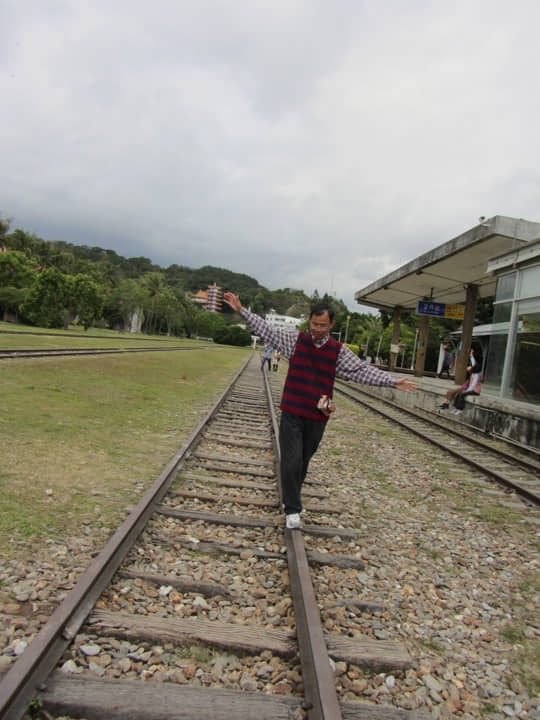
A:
x,y
442,274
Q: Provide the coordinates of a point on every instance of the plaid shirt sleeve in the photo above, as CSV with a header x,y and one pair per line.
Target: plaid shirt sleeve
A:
x,y
350,367
282,340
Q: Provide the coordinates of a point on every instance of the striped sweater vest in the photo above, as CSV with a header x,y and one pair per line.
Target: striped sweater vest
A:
x,y
311,374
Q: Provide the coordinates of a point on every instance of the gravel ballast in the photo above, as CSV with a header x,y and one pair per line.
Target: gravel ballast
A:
x,y
451,570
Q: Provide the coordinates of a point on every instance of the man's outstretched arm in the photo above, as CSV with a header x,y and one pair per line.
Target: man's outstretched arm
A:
x,y
282,340
350,367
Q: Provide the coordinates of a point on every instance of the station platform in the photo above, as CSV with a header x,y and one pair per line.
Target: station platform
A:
x,y
517,422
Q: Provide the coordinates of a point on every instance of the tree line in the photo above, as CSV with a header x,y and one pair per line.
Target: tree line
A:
x,y
53,284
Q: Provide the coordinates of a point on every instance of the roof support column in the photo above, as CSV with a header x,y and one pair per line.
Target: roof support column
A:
x,y
396,318
471,297
422,346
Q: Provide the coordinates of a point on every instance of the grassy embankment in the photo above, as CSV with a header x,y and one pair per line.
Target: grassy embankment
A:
x,y
24,337
82,437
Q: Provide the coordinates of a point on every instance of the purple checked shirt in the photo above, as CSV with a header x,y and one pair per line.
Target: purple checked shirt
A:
x,y
348,366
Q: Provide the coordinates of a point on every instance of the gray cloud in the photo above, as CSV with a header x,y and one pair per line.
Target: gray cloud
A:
x,y
305,143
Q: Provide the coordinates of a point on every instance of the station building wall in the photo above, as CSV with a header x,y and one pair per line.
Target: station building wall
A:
x,y
513,362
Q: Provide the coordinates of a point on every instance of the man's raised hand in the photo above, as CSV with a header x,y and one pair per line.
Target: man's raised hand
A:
x,y
233,301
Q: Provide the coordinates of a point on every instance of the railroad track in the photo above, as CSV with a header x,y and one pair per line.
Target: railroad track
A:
x,y
18,354
43,333
518,472
202,606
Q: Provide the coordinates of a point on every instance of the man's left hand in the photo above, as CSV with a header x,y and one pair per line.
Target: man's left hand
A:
x,y
406,385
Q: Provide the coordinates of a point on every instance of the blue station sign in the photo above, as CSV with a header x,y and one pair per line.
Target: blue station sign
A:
x,y
427,307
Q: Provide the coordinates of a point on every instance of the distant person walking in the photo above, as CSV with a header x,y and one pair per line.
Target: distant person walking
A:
x,y
267,357
275,360
447,360
315,360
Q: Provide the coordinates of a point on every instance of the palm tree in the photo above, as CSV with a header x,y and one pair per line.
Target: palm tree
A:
x,y
372,332
156,286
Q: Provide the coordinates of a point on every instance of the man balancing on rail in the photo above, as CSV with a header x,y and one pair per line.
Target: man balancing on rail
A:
x,y
315,359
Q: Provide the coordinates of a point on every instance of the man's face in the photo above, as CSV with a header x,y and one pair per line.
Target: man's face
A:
x,y
320,325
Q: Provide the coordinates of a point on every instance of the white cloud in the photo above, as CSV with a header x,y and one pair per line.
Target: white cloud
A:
x,y
305,143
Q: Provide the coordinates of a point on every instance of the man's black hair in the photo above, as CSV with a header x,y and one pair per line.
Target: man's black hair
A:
x,y
320,309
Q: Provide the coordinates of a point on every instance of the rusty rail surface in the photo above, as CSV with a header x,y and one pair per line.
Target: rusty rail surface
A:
x,y
321,699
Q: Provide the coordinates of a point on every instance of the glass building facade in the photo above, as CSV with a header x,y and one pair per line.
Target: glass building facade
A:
x,y
513,362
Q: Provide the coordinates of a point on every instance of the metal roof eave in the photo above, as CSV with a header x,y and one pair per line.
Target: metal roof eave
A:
x,y
460,261
518,256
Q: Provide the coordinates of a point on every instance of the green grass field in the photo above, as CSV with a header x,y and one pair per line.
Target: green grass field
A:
x,y
24,337
82,436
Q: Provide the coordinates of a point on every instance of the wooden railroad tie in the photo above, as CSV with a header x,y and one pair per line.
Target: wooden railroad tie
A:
x,y
246,521
347,562
226,482
232,459
136,700
237,499
245,484
232,428
226,466
243,500
376,655
186,585
259,427
236,442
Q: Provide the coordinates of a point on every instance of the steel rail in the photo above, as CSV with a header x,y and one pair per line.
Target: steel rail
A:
x,y
74,336
19,685
500,478
64,352
275,435
320,699
531,462
429,417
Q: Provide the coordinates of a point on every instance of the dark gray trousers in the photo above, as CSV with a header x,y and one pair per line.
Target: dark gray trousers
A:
x,y
299,439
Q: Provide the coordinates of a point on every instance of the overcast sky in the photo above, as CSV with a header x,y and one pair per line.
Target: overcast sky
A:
x,y
314,144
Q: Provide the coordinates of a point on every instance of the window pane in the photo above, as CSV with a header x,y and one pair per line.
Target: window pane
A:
x,y
528,307
502,312
505,286
495,362
525,376
530,282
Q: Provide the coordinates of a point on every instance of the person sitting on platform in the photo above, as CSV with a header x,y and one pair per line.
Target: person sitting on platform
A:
x,y
471,386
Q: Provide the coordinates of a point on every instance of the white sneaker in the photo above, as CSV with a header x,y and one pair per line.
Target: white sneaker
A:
x,y
293,522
